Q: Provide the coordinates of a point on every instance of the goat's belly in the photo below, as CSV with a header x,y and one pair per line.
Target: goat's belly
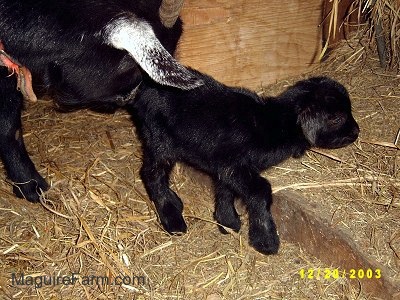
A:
x,y
99,75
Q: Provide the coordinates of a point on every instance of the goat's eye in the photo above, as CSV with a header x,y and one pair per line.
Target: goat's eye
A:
x,y
335,120
330,98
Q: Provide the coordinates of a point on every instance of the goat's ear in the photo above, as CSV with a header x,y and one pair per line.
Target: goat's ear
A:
x,y
137,37
307,121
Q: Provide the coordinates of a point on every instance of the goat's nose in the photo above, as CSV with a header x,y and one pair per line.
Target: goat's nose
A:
x,y
355,131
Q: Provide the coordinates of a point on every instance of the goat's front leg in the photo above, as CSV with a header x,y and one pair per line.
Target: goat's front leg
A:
x,y
256,193
225,213
155,177
27,182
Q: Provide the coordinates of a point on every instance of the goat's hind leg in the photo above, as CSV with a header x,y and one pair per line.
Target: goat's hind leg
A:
x,y
27,182
256,193
225,213
155,176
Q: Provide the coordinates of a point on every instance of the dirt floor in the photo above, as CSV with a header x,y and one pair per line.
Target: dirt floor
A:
x,y
96,221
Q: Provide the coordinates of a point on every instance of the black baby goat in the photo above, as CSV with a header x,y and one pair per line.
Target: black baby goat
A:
x,y
232,134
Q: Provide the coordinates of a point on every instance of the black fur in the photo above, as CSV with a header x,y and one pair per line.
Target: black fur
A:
x,y
62,44
232,134
19,167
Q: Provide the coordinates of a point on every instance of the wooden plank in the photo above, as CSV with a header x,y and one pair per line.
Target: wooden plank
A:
x,y
250,42
298,223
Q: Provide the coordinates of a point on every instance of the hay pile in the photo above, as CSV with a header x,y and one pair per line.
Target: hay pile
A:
x,y
378,20
97,220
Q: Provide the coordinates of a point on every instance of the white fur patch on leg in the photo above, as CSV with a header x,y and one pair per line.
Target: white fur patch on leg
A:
x,y
137,37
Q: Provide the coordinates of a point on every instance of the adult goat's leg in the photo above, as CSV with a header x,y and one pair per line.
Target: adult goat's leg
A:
x,y
27,182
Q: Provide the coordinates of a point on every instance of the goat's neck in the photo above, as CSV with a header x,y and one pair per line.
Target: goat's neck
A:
x,y
282,121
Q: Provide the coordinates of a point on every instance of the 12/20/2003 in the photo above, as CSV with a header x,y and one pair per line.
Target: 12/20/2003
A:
x,y
327,273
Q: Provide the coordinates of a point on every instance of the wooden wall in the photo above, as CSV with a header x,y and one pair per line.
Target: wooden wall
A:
x,y
250,42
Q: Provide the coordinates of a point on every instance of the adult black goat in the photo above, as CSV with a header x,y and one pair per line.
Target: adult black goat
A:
x,y
232,134
86,53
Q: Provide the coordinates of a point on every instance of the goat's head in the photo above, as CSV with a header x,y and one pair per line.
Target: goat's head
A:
x,y
324,113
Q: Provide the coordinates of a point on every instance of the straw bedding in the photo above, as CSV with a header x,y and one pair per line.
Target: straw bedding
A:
x,y
96,220
359,186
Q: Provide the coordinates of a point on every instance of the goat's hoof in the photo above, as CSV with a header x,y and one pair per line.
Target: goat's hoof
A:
x,y
175,225
31,189
264,239
266,245
171,218
227,218
234,225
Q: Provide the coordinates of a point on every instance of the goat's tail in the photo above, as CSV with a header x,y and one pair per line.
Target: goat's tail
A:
x,y
137,37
